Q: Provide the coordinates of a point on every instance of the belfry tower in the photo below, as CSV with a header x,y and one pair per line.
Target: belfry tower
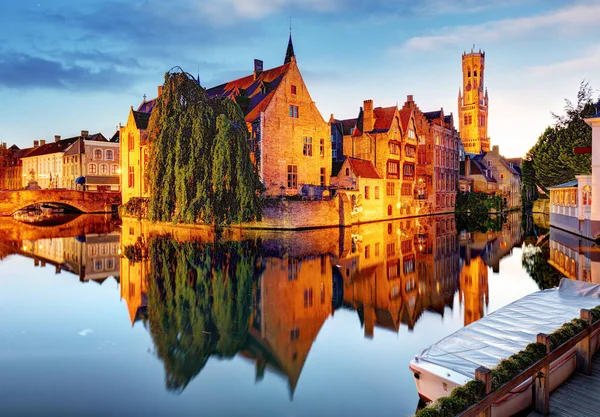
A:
x,y
473,104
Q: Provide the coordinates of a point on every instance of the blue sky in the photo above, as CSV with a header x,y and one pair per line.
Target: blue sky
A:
x,y
72,65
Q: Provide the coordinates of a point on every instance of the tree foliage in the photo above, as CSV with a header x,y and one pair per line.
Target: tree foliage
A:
x,y
199,303
552,160
199,167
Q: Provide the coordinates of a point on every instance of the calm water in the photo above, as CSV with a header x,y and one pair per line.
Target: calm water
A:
x,y
99,317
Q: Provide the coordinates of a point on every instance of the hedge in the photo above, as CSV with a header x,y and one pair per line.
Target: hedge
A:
x,y
472,392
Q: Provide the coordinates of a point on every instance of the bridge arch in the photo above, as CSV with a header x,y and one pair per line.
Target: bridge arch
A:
x,y
84,201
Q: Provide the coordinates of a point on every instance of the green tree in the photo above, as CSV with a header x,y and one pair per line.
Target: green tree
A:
x,y
552,160
199,302
529,192
199,166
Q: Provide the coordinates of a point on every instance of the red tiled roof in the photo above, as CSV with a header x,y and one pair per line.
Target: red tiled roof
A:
x,y
347,125
363,168
253,95
384,116
405,115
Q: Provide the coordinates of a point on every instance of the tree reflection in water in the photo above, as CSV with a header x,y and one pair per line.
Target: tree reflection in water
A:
x,y
199,302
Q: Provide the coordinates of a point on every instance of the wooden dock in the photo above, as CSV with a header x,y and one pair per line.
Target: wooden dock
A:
x,y
578,396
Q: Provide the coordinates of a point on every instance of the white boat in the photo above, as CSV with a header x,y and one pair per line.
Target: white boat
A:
x,y
452,361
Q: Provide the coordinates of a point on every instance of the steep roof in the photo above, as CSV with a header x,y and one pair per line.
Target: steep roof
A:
x,y
252,94
477,168
363,168
405,115
384,116
141,119
290,51
432,115
147,106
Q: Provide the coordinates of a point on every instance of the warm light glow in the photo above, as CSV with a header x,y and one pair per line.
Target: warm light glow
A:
x,y
119,171
41,246
25,247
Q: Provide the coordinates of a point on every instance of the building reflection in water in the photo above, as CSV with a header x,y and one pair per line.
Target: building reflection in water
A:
x,y
92,256
574,257
265,298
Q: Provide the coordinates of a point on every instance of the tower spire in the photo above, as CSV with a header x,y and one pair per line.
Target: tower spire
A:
x,y
289,54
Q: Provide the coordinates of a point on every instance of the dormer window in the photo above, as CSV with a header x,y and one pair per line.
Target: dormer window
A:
x,y
351,130
293,89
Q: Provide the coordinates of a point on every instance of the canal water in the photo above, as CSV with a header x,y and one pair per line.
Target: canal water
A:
x,y
103,317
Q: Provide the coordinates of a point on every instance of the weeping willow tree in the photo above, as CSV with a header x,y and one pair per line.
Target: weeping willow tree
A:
x,y
199,303
199,169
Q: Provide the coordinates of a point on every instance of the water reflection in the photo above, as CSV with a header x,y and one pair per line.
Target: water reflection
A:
x,y
265,297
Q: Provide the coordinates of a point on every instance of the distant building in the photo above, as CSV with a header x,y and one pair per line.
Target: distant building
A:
x,y
477,177
473,104
506,175
12,178
58,164
92,164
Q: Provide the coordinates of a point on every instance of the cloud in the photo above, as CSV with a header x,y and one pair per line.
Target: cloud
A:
x,y
227,10
587,63
566,21
22,71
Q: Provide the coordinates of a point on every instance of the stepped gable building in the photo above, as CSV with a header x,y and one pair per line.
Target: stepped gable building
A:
x,y
473,104
446,159
506,175
388,138
289,139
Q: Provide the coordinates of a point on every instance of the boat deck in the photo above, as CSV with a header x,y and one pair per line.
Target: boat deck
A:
x,y
578,396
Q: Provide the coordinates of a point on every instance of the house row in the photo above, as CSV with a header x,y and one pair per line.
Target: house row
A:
x,y
491,173
572,207
83,162
393,161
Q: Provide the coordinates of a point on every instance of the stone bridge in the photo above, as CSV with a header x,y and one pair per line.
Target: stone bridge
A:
x,y
84,201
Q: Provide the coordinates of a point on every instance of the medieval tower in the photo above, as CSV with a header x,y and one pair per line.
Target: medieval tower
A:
x,y
473,104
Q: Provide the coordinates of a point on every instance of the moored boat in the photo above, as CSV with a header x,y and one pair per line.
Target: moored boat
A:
x,y
452,361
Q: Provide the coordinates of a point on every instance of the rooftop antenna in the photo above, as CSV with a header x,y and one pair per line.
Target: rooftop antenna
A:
x,y
144,98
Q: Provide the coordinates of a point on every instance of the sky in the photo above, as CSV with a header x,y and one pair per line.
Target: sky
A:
x,y
67,65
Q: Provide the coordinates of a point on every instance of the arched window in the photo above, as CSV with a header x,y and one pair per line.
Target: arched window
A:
x,y
468,72
92,169
475,73
389,210
103,169
109,155
587,195
98,154
347,172
113,169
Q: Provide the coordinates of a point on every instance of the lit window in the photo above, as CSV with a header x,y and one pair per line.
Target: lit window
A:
x,y
109,155
98,154
92,169
292,178
322,147
307,146
103,169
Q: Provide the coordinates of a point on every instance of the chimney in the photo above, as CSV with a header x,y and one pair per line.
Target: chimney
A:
x,y
258,68
467,166
160,88
42,142
368,118
36,143
56,138
84,133
496,149
409,98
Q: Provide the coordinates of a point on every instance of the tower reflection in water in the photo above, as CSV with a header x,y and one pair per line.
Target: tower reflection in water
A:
x,y
266,297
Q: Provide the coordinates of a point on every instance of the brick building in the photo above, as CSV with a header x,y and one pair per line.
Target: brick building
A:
x,y
473,104
290,142
446,164
134,151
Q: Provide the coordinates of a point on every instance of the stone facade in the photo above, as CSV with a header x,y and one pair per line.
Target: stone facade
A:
x,y
134,152
473,104
507,177
290,142
97,161
446,163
